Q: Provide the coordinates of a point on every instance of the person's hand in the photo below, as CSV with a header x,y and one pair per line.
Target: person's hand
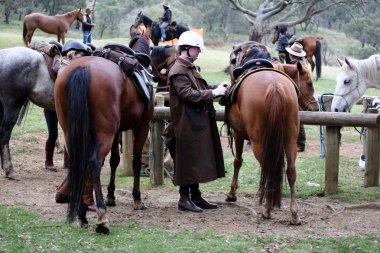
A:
x,y
220,90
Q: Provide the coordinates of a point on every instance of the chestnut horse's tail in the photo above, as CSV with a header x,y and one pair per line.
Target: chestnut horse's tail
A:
x,y
273,144
24,32
81,141
318,58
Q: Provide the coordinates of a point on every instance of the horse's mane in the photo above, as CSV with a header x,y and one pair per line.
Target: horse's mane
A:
x,y
70,13
367,67
147,20
159,52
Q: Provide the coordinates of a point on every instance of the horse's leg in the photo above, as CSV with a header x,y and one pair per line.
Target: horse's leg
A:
x,y
63,38
258,152
114,162
95,166
291,173
140,136
239,144
8,121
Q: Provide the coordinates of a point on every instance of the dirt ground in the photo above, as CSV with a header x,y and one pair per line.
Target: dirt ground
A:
x,y
320,216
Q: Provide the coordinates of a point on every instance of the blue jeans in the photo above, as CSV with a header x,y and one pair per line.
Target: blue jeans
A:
x,y
162,28
87,37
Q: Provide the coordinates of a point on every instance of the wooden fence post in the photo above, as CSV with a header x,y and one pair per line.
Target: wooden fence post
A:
x,y
127,140
372,155
156,164
332,160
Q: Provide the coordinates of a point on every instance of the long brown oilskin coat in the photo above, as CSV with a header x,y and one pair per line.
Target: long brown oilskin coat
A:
x,y
198,152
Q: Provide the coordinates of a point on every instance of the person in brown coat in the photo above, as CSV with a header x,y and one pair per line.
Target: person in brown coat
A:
x,y
195,145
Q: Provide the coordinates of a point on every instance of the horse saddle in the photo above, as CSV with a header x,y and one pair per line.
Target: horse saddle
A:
x,y
143,85
142,58
250,65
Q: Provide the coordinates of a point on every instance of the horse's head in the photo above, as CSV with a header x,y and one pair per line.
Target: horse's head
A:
x,y
79,15
349,86
306,98
162,59
138,19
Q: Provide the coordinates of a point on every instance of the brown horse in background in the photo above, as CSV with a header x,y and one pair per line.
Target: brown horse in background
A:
x,y
94,101
266,114
58,24
311,46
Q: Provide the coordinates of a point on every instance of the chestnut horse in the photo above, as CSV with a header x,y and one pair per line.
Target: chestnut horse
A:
x,y
311,46
266,113
94,101
58,24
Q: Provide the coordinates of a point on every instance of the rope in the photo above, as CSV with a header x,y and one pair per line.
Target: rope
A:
x,y
321,134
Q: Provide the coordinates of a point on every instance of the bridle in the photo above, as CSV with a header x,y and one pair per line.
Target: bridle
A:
x,y
157,70
308,101
356,88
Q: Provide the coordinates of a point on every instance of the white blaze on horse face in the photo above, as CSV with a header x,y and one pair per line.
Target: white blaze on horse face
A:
x,y
347,90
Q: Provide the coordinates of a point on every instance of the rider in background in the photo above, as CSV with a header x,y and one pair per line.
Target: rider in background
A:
x,y
296,54
282,42
165,19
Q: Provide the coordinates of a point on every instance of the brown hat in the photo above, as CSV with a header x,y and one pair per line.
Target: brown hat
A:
x,y
296,49
166,4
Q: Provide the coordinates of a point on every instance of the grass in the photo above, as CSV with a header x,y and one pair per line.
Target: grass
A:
x,y
23,232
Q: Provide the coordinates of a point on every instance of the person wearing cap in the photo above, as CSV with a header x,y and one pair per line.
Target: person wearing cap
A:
x,y
87,27
194,139
282,42
165,19
296,54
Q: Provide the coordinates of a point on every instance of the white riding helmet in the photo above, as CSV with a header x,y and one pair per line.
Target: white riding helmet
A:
x,y
190,38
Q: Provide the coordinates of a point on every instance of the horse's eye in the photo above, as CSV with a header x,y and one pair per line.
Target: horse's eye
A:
x,y
347,81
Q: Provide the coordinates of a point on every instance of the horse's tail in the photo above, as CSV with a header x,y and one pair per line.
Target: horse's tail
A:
x,y
23,112
318,58
24,31
273,143
80,137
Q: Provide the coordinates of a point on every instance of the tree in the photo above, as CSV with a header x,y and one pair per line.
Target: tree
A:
x,y
271,14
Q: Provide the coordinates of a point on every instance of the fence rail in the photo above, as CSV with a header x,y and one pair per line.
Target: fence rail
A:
x,y
332,122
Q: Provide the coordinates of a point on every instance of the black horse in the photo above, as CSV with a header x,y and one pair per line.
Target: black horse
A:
x,y
162,59
173,31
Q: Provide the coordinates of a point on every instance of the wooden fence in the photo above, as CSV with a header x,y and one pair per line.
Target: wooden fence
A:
x,y
332,122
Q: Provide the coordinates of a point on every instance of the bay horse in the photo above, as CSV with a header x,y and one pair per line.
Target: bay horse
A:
x,y
94,101
311,46
24,77
354,77
173,31
58,24
266,114
162,59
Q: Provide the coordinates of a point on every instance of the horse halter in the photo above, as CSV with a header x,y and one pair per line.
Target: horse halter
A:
x,y
356,88
308,101
157,70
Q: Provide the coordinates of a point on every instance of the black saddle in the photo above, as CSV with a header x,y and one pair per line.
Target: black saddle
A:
x,y
252,64
143,59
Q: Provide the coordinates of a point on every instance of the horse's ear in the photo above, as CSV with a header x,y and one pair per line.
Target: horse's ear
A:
x,y
348,63
340,61
139,14
300,67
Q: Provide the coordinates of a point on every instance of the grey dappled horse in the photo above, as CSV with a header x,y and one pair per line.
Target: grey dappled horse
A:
x,y
24,77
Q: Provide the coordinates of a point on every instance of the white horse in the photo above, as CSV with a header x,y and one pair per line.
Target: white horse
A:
x,y
354,78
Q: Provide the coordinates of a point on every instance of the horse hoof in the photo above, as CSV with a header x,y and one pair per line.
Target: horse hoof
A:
x,y
83,223
231,197
13,176
296,222
110,202
139,205
102,229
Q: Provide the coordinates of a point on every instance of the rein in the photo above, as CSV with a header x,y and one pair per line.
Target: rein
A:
x,y
163,77
309,101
